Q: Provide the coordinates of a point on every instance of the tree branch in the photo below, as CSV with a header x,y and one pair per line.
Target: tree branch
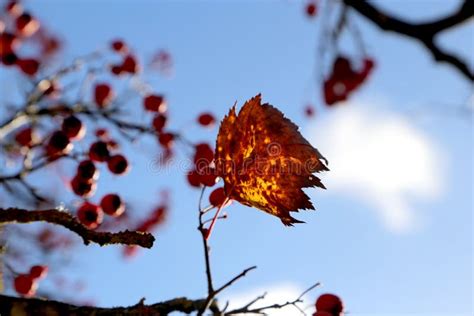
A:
x,y
423,32
24,306
65,219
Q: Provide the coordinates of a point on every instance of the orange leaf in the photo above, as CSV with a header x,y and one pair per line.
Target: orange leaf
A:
x,y
265,161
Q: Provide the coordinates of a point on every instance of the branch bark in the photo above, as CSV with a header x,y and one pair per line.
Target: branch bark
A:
x,y
425,33
65,219
31,306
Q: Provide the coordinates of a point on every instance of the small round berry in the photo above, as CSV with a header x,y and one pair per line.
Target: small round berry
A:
x,y
203,156
119,46
309,110
166,140
59,144
206,119
9,59
311,9
90,215
25,285
217,197
26,25
207,176
116,70
87,170
130,65
28,66
8,43
159,123
102,133
83,187
118,164
38,272
112,205
155,103
99,151
25,137
14,8
329,303
194,179
103,94
112,144
73,128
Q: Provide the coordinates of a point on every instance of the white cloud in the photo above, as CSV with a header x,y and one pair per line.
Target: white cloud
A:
x,y
379,157
278,294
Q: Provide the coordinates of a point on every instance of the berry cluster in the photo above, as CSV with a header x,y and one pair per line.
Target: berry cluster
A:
x,y
203,172
27,284
344,79
18,28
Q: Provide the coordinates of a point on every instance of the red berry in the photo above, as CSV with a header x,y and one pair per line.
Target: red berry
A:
x,y
25,137
26,25
28,66
118,164
206,119
116,69
87,170
130,65
309,111
329,303
90,215
119,46
14,8
207,176
311,9
59,144
9,59
83,187
155,103
38,272
25,285
8,43
342,68
112,144
101,133
99,151
112,205
204,156
73,128
103,94
159,122
217,197
166,140
194,179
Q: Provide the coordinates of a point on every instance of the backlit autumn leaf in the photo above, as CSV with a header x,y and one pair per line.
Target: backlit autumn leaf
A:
x,y
265,161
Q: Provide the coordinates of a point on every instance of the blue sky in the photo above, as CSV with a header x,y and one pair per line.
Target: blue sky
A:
x,y
231,50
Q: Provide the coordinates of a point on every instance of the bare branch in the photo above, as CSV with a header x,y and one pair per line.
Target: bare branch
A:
x,y
234,279
65,219
261,310
425,33
24,306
